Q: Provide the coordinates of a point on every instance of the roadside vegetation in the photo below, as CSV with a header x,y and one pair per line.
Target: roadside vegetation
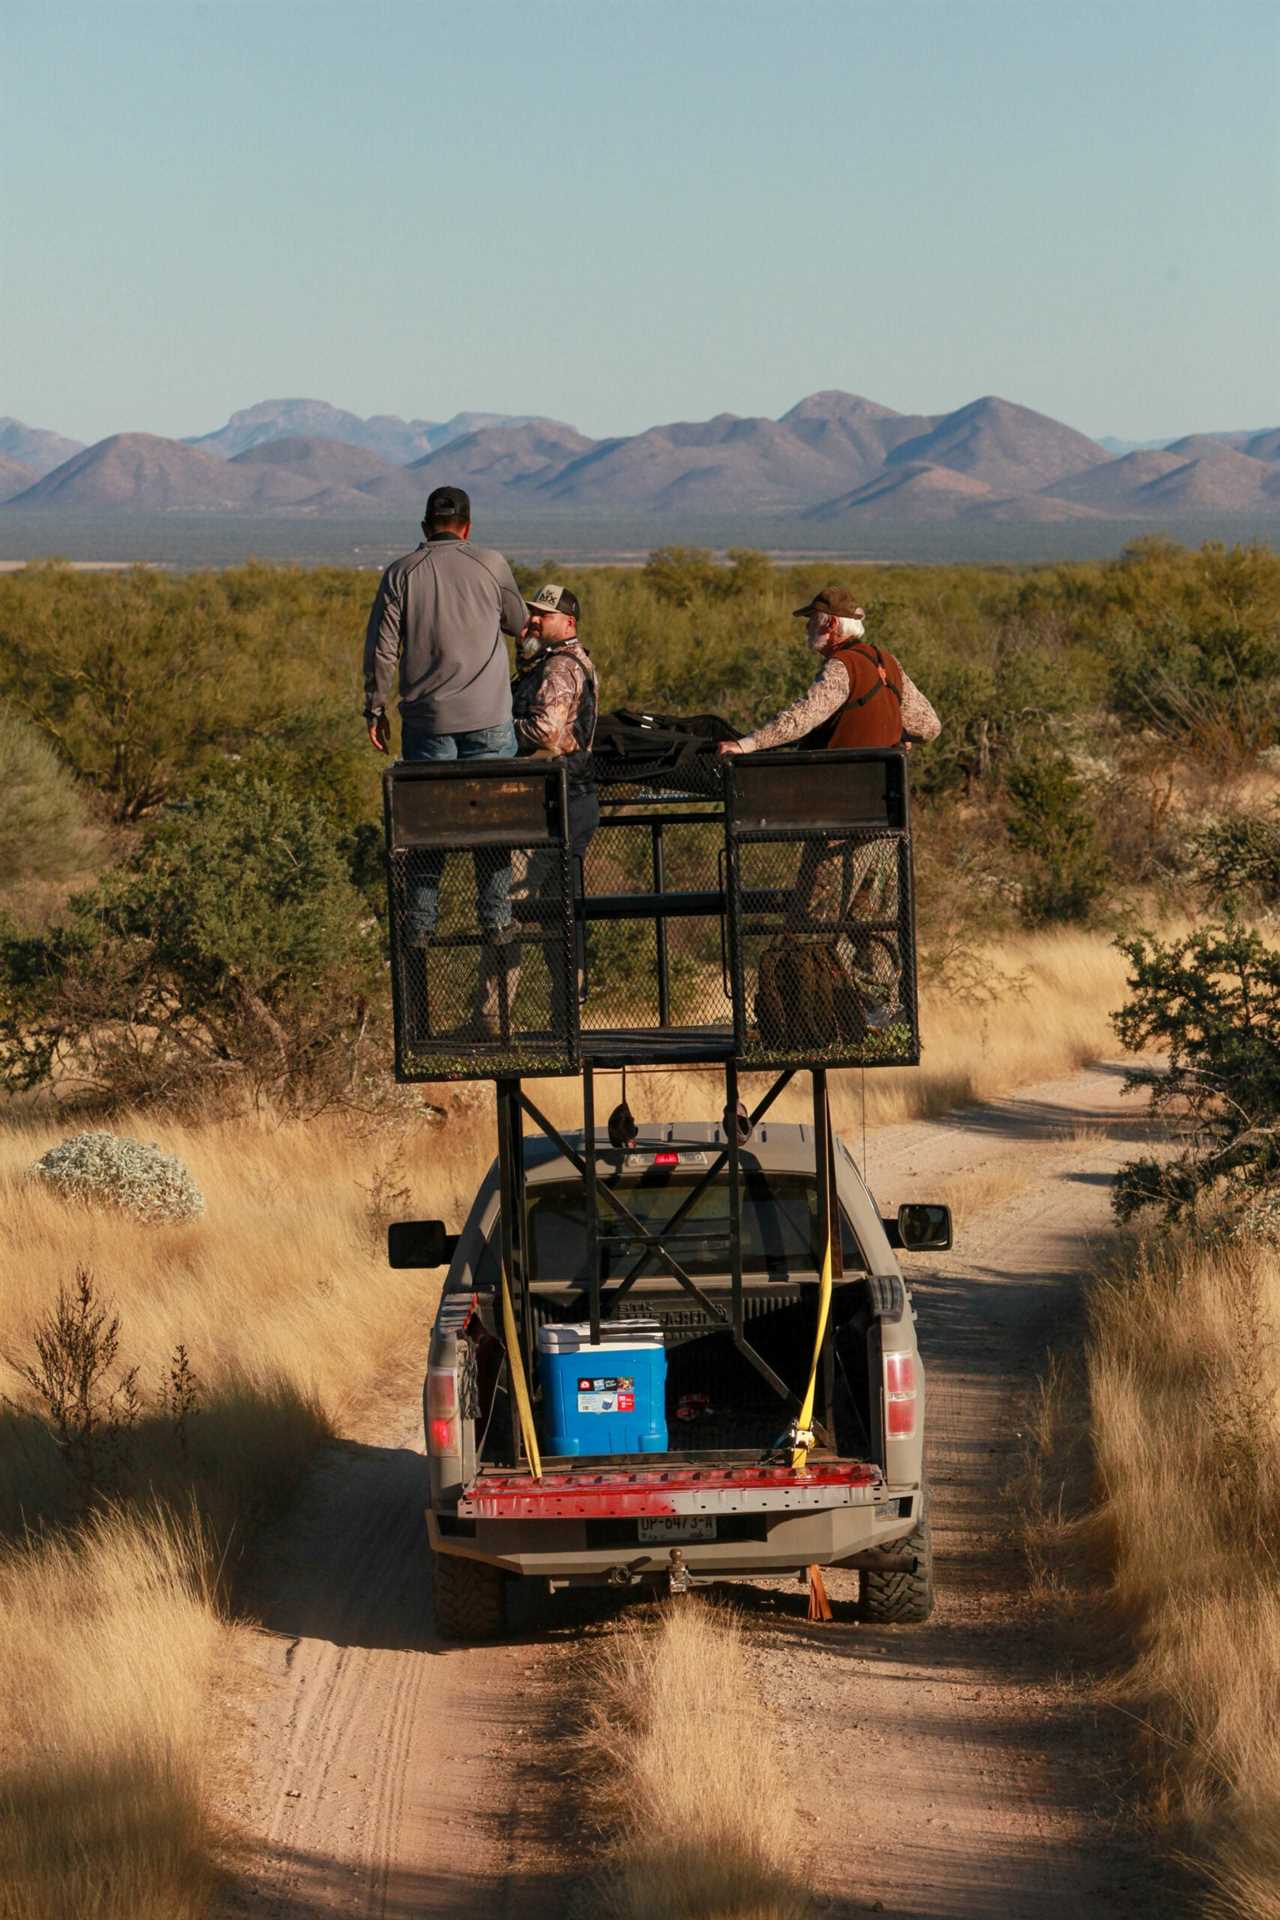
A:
x,y
698,1812
190,955
1159,1502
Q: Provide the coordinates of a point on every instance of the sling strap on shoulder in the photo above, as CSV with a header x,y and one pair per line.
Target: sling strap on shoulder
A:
x,y
872,653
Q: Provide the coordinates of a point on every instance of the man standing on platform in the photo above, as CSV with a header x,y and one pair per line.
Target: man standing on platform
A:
x,y
555,698
439,616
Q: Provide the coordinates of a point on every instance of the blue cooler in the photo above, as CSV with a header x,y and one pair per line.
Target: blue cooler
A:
x,y
606,1396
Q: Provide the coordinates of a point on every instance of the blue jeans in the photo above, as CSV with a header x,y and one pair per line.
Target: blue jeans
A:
x,y
493,869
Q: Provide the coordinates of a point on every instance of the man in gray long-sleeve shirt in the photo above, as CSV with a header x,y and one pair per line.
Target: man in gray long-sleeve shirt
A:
x,y
439,616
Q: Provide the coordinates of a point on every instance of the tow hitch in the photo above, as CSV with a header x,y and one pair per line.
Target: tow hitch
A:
x,y
677,1572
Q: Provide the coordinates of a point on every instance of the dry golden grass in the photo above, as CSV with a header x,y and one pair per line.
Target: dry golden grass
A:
x,y
282,1296
686,1779
1182,1377
102,1724
283,1299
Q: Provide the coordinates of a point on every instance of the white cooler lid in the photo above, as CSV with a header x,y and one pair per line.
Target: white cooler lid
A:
x,y
560,1336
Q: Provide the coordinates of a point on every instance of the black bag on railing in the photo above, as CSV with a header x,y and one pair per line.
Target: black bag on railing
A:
x,y
658,749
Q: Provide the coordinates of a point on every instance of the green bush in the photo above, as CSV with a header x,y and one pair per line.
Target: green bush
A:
x,y
1236,862
43,830
1052,822
681,575
142,678
1211,1003
232,942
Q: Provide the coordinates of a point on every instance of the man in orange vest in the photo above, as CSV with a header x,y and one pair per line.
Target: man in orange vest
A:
x,y
861,696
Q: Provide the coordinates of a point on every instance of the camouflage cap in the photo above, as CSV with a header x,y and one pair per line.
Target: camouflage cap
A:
x,y
837,601
554,598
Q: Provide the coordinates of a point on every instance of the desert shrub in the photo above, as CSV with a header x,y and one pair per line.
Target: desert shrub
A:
x,y
1141,827
107,1169
1052,822
1236,862
995,705
1191,637
1211,1002
681,575
89,1404
140,678
43,829
232,944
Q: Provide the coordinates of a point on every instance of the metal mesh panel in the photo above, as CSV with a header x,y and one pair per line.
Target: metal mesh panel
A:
x,y
663,977
481,921
823,941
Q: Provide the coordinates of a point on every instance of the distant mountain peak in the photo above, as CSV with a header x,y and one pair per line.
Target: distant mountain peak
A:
x,y
832,403
398,441
35,447
836,456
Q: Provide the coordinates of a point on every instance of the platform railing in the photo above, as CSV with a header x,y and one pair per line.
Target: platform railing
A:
x,y
765,918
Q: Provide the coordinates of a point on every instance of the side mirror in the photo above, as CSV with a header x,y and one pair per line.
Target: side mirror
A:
x,y
419,1243
921,1227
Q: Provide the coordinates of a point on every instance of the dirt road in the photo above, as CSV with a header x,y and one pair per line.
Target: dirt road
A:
x,y
947,1770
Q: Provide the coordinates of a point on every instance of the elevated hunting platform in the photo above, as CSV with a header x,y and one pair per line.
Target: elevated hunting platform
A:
x,y
746,913
754,910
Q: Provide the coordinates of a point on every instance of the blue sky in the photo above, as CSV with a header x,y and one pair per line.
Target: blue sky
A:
x,y
617,214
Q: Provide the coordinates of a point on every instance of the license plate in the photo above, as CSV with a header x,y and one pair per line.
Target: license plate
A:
x,y
676,1527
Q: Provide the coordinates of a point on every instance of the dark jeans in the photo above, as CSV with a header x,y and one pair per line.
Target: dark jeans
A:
x,y
493,869
540,878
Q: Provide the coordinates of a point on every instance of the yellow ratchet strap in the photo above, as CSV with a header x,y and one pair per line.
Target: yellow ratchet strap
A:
x,y
803,1429
520,1386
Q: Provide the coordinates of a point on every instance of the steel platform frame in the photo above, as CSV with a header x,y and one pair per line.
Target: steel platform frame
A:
x,y
514,1103
617,1049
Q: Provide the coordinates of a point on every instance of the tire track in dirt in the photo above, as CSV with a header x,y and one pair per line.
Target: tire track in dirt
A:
x,y
946,1772
952,1770
384,1773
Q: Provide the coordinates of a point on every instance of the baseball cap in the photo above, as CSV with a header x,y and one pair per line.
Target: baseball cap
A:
x,y
837,601
555,599
447,503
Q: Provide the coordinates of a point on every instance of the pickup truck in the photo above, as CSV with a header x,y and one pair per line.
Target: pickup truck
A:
x,y
724,1502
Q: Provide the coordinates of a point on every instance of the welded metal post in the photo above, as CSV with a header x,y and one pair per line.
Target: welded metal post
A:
x,y
660,928
837,1274
735,1191
828,1219
590,1197
511,1157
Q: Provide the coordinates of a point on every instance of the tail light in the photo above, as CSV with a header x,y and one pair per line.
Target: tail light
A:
x,y
442,1412
900,1395
666,1159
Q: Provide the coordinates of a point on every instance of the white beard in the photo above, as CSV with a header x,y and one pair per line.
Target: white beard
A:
x,y
847,630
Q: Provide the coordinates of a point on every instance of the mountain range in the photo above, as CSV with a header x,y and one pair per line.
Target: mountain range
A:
x,y
834,461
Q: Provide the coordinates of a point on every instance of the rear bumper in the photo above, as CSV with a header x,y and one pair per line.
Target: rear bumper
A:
x,y
586,1528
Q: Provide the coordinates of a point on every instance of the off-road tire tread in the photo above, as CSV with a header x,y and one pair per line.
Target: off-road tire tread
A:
x,y
468,1598
901,1599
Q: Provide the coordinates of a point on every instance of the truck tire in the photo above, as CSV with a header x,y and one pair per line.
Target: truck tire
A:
x,y
901,1599
468,1597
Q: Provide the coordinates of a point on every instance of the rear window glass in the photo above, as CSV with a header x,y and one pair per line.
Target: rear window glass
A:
x,y
779,1228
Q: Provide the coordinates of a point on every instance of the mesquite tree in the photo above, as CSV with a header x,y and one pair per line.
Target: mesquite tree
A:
x,y
1211,1002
